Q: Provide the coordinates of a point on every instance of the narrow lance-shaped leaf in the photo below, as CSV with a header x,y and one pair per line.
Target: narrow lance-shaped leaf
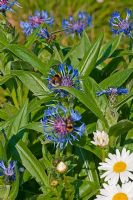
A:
x,y
79,50
23,53
15,186
32,82
32,164
123,101
119,129
89,60
108,49
117,79
19,121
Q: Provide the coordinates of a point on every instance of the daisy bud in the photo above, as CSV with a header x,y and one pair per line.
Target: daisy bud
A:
x,y
101,139
54,183
61,167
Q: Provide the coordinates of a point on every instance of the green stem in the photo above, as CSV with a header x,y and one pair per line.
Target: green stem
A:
x,y
59,31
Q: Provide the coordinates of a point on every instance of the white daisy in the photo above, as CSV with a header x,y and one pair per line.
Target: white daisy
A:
x,y
101,139
115,192
118,166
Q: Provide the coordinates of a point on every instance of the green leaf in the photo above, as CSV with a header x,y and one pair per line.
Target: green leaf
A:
x,y
89,60
123,101
3,38
119,129
15,186
129,140
58,54
90,88
36,126
23,53
30,162
4,192
79,50
87,190
87,166
4,79
85,143
88,100
117,79
27,56
32,38
32,82
19,121
2,152
108,49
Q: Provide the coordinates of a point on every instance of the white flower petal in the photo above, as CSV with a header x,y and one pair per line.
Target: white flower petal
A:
x,y
121,173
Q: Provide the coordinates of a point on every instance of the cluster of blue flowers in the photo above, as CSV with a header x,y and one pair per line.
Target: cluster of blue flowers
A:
x,y
77,25
71,25
62,125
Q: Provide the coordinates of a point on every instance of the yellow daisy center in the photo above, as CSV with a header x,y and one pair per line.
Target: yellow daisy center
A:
x,y
119,167
120,196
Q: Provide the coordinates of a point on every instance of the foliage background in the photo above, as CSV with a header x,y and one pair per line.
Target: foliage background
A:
x,y
24,97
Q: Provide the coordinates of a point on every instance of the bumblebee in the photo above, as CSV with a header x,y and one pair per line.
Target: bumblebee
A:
x,y
69,125
56,80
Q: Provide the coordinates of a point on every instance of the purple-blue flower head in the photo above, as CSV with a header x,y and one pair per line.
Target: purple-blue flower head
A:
x,y
44,34
77,26
6,5
39,18
119,25
9,171
113,91
62,125
64,75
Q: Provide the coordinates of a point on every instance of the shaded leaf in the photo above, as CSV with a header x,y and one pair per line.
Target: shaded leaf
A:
x,y
32,164
117,79
32,82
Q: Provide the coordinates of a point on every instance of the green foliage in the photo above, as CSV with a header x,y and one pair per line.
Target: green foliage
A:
x,y
23,78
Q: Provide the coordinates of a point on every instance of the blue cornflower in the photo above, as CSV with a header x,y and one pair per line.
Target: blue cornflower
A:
x,y
6,5
44,34
113,91
119,25
9,171
27,28
65,75
39,18
62,125
77,26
